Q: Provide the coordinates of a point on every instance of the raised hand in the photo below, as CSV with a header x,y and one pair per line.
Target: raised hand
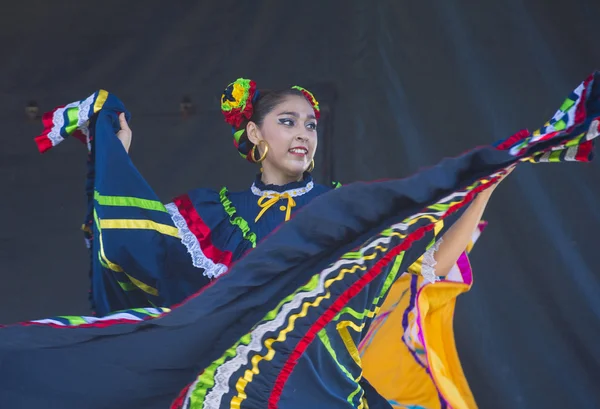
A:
x,y
125,133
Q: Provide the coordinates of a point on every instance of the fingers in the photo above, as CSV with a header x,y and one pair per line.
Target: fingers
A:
x,y
123,122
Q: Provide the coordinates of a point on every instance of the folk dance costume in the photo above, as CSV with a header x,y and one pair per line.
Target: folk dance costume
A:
x,y
276,297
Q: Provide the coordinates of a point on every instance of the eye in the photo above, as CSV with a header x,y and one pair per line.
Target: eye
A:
x,y
312,126
286,122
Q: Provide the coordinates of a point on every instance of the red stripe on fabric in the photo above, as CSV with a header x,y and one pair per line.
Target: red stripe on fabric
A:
x,y
47,118
584,151
549,135
350,293
581,112
180,400
43,143
201,231
99,324
80,135
512,140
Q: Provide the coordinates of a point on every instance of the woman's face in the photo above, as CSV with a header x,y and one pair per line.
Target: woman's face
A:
x,y
290,130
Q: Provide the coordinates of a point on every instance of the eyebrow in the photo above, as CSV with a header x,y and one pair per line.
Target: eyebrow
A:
x,y
295,114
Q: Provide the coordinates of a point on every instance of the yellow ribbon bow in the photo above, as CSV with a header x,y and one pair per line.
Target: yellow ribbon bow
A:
x,y
269,199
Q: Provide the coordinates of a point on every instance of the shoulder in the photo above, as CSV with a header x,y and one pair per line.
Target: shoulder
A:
x,y
320,189
203,195
199,204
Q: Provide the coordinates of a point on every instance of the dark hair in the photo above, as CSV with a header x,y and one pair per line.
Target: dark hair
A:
x,y
266,102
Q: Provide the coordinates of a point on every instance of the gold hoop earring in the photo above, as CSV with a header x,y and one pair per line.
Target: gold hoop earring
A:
x,y
264,155
311,167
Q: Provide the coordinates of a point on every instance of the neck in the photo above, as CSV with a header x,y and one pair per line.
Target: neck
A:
x,y
278,178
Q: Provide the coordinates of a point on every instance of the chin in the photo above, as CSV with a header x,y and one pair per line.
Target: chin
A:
x,y
296,171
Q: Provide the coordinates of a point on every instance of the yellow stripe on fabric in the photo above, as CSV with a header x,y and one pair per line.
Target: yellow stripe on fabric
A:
x,y
348,323
100,100
355,314
529,159
102,263
139,224
342,329
391,277
115,267
429,217
327,344
142,286
207,379
249,373
126,201
112,266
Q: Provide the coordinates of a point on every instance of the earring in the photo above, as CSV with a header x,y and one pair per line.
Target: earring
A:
x,y
264,155
311,167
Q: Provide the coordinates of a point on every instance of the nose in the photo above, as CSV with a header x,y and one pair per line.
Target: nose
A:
x,y
302,137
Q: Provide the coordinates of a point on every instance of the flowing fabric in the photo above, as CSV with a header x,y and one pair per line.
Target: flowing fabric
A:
x,y
283,327
409,353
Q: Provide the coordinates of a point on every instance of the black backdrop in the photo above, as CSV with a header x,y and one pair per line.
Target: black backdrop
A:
x,y
408,83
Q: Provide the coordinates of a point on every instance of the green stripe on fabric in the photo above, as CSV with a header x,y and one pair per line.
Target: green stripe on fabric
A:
x,y
567,105
555,156
236,220
207,379
238,134
152,314
75,320
560,125
575,141
327,344
102,261
350,311
125,201
391,276
389,280
352,255
72,120
440,207
127,286
356,391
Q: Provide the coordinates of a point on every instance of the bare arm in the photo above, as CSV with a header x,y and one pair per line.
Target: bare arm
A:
x,y
458,236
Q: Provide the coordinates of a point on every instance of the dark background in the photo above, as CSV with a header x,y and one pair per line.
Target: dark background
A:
x,y
405,84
